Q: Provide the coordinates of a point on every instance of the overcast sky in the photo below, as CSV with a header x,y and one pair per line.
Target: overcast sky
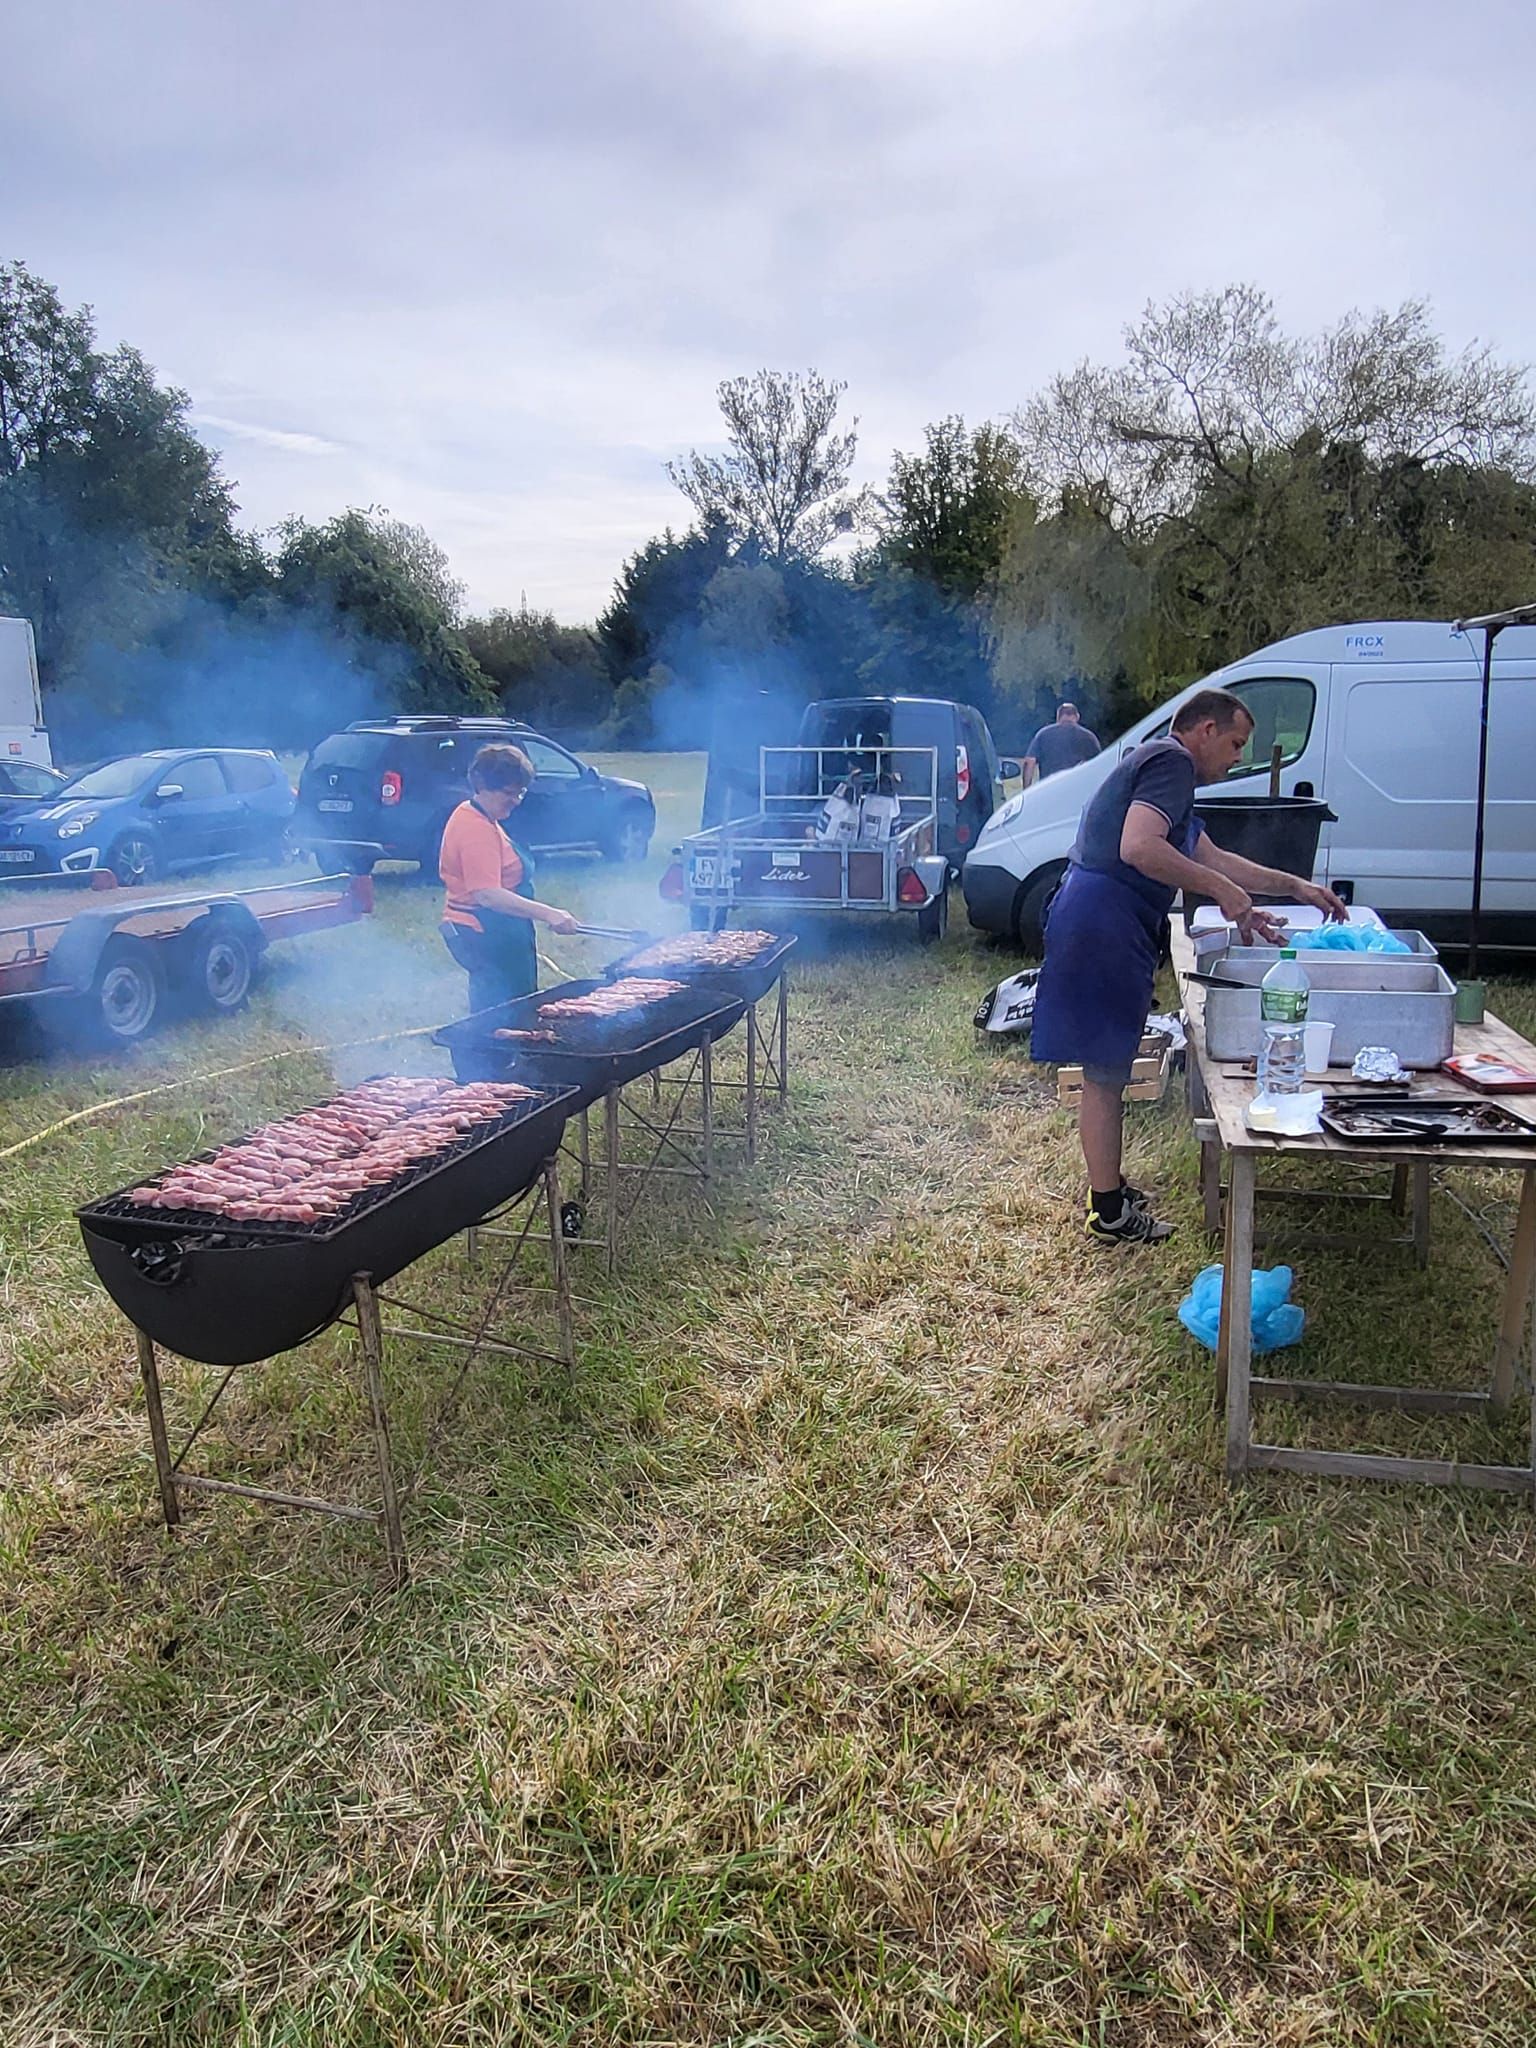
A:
x,y
484,264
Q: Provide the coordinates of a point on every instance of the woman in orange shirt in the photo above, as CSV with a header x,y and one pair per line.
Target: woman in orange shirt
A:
x,y
491,911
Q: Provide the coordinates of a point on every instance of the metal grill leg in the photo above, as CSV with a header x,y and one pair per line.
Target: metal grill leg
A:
x,y
557,1262
707,1108
165,1471
371,1346
751,1082
783,1021
611,1192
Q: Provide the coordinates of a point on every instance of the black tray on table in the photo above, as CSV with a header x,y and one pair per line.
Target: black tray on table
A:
x,y
751,981
1424,1120
591,1055
227,1291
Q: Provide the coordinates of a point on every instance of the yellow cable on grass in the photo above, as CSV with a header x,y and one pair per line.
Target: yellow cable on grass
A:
x,y
81,1116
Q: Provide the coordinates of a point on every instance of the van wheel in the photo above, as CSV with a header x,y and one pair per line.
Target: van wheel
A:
x,y
1034,900
125,996
933,919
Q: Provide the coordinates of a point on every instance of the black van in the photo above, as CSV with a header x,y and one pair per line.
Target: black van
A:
x,y
969,771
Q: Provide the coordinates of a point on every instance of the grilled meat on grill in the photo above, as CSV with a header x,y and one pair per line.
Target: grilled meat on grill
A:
x,y
615,999
704,949
304,1168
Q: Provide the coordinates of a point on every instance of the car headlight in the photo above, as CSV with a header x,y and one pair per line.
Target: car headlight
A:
x,y
77,825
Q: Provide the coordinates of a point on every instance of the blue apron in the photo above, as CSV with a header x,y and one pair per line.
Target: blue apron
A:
x,y
1103,939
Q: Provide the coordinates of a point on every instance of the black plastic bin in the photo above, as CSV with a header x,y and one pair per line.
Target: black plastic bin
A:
x,y
1276,831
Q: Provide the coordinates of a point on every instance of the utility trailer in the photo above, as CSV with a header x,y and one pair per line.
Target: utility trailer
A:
x,y
110,957
833,830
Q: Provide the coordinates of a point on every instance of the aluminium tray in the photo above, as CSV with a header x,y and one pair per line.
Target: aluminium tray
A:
x,y
1425,1120
1393,999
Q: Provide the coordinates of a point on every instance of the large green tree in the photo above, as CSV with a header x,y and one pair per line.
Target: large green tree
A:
x,y
783,483
1228,483
947,509
108,500
552,675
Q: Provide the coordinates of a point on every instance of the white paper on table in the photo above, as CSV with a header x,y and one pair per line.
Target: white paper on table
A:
x,y
1299,917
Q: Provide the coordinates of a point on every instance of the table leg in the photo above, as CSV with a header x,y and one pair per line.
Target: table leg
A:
x,y
1421,1191
1237,1309
165,1471
371,1346
1210,1184
1399,1200
1517,1298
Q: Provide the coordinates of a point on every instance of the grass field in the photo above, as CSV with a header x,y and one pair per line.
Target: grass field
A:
x,y
861,1647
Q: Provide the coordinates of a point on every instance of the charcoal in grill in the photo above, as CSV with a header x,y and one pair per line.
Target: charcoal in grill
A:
x,y
592,1054
227,1292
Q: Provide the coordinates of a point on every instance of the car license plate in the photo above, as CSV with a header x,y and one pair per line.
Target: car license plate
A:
x,y
335,803
705,871
16,856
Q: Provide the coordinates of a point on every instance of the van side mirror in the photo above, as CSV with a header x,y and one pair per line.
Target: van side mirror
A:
x,y
1010,770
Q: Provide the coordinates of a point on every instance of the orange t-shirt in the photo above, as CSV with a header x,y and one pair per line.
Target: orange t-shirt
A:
x,y
476,854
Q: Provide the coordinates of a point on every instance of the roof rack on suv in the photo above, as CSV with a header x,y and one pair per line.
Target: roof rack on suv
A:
x,y
433,722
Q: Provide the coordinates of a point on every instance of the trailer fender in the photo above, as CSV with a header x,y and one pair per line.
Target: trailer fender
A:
x,y
933,870
76,953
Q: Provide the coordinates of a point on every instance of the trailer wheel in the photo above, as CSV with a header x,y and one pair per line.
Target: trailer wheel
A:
x,y
220,967
126,995
933,919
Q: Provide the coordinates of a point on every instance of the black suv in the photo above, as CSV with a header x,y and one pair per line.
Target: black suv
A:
x,y
384,788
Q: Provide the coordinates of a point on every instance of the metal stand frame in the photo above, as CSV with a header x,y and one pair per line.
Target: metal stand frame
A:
x,y
542,1197
674,1149
767,1067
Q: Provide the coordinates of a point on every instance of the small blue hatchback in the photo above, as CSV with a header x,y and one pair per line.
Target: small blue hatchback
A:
x,y
147,815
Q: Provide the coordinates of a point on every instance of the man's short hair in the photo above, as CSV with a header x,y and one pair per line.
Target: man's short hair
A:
x,y
500,767
1220,705
1063,708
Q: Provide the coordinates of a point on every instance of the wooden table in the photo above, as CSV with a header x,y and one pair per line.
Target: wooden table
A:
x,y
1220,1093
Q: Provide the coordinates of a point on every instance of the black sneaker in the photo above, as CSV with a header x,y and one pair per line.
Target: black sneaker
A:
x,y
1134,1198
1131,1226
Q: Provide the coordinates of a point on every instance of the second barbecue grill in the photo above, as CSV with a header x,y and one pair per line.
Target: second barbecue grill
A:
x,y
594,1055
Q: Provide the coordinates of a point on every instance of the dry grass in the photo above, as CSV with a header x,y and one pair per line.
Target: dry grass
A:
x,y
863,1647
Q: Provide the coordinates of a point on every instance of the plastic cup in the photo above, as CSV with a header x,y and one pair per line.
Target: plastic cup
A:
x,y
1318,1042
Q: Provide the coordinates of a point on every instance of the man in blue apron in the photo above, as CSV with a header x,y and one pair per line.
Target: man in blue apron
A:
x,y
1138,844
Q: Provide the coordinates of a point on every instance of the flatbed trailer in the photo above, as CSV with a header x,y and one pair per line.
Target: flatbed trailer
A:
x,y
782,856
114,955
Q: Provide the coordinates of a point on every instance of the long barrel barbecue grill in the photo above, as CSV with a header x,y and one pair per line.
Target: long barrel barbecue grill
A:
x,y
228,1291
591,1054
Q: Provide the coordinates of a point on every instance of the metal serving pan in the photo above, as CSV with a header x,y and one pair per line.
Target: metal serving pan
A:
x,y
1393,999
1425,1120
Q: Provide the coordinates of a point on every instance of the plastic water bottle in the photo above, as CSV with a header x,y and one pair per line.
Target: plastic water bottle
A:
x,y
1283,996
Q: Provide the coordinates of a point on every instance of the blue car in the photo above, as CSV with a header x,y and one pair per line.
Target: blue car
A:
x,y
146,815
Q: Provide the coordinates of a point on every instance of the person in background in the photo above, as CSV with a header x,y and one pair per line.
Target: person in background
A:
x,y
491,911
1058,746
1138,844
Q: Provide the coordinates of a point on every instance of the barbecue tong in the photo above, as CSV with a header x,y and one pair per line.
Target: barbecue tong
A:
x,y
607,931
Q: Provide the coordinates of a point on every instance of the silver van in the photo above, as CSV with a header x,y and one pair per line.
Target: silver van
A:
x,y
1380,721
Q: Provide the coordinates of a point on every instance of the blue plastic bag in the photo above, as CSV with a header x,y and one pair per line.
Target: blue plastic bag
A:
x,y
1348,938
1276,1318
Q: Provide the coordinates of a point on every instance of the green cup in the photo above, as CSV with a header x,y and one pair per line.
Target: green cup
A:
x,y
1469,1002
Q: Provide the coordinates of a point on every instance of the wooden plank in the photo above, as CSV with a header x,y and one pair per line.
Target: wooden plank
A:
x,y
1410,1400
1395,1471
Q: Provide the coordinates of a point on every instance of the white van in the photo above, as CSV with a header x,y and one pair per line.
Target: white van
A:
x,y
1381,722
22,734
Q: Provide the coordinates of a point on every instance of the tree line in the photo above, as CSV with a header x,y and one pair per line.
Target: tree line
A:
x,y
1130,526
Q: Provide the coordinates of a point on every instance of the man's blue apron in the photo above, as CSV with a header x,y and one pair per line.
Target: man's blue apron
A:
x,y
1103,940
